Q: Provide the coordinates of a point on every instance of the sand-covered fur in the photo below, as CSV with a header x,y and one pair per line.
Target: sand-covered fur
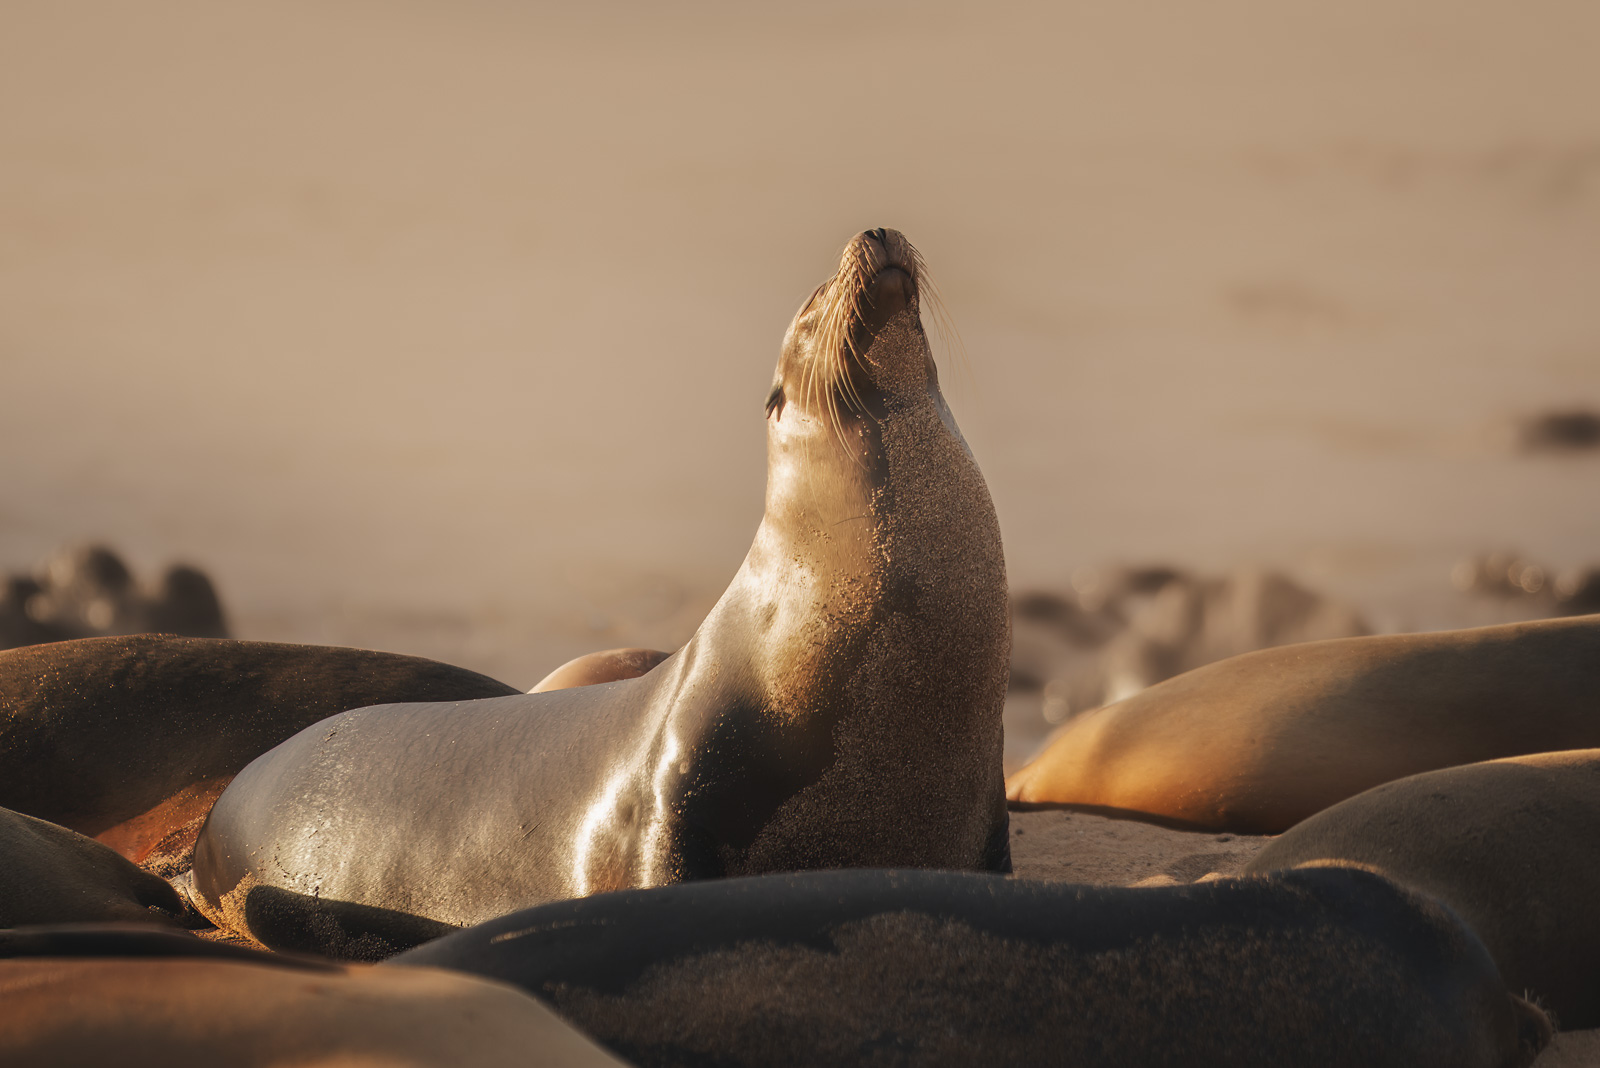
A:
x,y
1513,846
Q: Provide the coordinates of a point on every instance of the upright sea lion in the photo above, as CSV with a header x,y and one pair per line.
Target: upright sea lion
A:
x,y
839,707
1256,743
156,1003
49,874
1326,967
130,739
1513,846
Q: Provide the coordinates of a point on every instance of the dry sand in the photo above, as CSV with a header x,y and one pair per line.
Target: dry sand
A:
x,y
1079,847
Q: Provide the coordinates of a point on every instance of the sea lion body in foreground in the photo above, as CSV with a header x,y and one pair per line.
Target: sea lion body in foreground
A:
x,y
1330,967
1256,743
172,1005
130,739
49,874
608,665
1513,846
839,707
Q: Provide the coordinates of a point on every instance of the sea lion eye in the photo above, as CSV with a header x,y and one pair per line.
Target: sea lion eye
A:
x,y
775,400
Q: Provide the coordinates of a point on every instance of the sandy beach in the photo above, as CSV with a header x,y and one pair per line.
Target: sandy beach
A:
x,y
445,329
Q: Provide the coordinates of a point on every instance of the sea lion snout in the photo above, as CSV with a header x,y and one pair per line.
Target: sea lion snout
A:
x,y
884,274
877,250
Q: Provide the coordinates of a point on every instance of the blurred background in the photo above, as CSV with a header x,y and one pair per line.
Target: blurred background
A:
x,y
445,328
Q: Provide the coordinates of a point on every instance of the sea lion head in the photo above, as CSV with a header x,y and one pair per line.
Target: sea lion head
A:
x,y
857,344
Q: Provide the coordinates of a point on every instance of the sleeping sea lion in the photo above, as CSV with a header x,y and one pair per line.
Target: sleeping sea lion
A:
x,y
154,1002
1513,846
839,707
1324,968
608,665
1256,743
130,739
49,874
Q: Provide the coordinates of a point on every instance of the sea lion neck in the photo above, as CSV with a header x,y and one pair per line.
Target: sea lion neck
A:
x,y
822,557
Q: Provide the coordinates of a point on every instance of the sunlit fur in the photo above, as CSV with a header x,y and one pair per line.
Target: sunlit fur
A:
x,y
828,327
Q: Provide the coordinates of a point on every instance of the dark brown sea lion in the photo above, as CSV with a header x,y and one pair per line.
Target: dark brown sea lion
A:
x,y
17,625
184,602
608,665
130,739
1315,969
1256,743
839,707
153,1004
49,874
1513,846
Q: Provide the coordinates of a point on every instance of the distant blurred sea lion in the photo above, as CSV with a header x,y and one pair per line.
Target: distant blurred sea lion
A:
x,y
1123,629
1512,845
840,706
1257,743
1573,430
88,591
18,626
185,602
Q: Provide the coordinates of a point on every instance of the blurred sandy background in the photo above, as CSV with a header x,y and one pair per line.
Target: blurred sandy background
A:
x,y
445,327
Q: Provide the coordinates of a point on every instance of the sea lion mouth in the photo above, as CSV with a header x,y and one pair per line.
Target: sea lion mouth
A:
x,y
877,279
880,277
890,292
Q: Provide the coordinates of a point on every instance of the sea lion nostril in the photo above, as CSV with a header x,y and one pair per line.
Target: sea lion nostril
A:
x,y
880,235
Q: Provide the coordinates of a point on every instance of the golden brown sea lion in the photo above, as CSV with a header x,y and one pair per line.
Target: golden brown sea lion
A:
x,y
608,665
1513,846
130,739
839,707
161,1011
49,874
1256,743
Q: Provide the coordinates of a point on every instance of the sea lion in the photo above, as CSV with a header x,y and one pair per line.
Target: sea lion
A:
x,y
130,739
1513,846
608,665
154,1003
839,707
1325,967
1256,743
185,602
17,625
49,874
87,589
